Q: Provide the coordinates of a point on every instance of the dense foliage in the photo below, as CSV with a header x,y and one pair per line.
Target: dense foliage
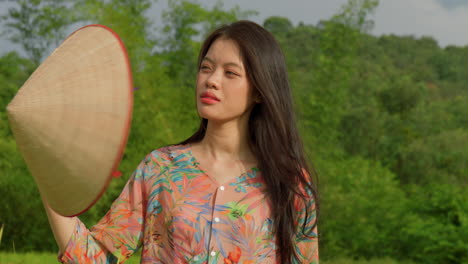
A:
x,y
384,121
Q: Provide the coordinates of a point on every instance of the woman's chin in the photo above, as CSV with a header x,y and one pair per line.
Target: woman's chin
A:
x,y
212,117
208,113
221,118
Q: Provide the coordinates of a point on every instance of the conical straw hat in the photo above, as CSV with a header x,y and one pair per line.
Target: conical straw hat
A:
x,y
71,118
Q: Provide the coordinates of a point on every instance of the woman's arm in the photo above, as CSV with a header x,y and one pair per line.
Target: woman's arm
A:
x,y
61,226
116,236
306,234
307,244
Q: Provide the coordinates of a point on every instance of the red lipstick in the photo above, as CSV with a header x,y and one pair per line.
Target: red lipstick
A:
x,y
209,98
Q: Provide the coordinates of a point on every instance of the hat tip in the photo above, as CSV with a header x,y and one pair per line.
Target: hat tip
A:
x,y
9,108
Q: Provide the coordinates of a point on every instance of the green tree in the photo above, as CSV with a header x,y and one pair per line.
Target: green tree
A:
x,y
402,95
440,158
436,224
278,25
26,226
38,25
362,207
339,40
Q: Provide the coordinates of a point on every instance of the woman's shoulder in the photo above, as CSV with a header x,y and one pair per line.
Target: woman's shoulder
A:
x,y
166,154
161,159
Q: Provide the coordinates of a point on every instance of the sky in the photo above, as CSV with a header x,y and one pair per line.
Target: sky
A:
x,y
444,20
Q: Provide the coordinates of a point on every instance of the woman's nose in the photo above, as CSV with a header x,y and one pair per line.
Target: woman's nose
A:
x,y
213,80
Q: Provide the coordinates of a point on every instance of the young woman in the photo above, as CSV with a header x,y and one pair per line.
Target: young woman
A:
x,y
237,191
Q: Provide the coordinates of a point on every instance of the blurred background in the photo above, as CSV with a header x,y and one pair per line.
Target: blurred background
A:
x,y
381,94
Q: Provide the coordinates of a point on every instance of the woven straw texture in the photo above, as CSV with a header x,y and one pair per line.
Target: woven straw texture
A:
x,y
71,118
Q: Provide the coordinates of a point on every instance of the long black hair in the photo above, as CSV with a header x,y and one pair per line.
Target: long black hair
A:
x,y
273,134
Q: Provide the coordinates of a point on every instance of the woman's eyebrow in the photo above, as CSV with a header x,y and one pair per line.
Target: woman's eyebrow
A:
x,y
225,64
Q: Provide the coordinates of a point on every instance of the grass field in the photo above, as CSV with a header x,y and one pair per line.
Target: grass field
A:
x,y
47,258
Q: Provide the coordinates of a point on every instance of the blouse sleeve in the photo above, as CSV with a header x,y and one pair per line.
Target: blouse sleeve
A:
x,y
119,233
306,235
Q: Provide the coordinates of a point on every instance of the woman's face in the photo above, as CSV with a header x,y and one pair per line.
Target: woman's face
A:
x,y
223,91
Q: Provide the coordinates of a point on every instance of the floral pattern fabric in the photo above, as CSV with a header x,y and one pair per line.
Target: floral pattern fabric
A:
x,y
176,213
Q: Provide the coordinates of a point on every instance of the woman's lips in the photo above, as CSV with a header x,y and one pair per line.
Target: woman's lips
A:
x,y
209,98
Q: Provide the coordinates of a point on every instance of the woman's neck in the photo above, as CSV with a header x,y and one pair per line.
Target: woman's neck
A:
x,y
226,141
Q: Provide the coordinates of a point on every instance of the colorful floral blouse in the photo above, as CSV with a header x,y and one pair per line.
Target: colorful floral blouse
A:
x,y
177,213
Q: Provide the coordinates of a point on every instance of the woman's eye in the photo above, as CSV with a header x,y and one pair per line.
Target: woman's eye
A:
x,y
204,68
231,73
